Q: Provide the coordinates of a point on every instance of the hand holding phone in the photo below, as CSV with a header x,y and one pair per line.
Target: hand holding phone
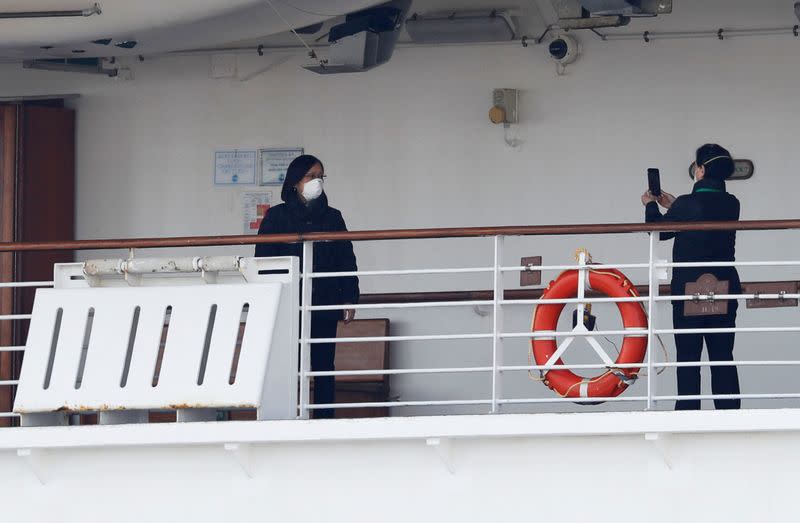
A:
x,y
666,200
654,182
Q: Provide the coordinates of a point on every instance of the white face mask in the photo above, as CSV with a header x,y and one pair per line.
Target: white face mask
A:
x,y
312,189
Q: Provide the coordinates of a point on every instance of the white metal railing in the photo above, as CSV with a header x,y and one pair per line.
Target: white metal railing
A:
x,y
499,334
17,317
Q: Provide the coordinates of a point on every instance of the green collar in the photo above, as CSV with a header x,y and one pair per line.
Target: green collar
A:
x,y
707,189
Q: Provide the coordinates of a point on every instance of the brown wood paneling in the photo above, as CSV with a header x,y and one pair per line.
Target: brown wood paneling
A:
x,y
8,160
362,356
243,415
162,417
790,287
45,197
46,187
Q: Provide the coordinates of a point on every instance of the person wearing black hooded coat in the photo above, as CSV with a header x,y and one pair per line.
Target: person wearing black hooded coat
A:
x,y
305,209
708,201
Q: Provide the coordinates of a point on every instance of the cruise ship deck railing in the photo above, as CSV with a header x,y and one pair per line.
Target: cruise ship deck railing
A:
x,y
498,302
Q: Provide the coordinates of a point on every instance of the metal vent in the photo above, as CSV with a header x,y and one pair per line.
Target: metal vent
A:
x,y
448,28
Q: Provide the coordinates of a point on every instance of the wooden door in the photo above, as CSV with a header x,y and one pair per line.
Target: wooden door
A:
x,y
8,119
37,193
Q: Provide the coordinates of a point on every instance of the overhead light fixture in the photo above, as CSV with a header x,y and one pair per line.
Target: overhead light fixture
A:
x,y
594,14
593,22
365,40
461,27
71,65
94,10
627,7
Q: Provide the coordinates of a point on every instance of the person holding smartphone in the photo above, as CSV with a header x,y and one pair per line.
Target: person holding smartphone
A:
x,y
708,201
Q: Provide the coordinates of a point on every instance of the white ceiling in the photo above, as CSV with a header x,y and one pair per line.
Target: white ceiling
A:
x,y
157,25
167,25
527,15
533,16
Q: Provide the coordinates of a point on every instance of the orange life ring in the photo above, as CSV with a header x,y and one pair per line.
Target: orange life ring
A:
x,y
614,381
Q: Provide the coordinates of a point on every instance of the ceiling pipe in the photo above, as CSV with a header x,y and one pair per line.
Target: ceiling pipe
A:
x,y
94,10
719,34
523,41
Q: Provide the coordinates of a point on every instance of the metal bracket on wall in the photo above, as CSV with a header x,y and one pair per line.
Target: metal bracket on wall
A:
x,y
37,461
444,449
241,453
660,442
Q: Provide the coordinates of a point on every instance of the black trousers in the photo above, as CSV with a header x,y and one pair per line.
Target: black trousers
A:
x,y
322,359
724,379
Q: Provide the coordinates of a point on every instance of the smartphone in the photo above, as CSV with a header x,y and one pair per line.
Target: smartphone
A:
x,y
654,182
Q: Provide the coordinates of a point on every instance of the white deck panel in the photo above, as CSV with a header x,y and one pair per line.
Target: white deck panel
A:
x,y
101,387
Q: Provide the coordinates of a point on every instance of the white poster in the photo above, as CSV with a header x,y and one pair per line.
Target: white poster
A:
x,y
275,162
235,167
255,206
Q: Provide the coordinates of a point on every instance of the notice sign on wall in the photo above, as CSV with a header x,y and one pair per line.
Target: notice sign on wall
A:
x,y
255,206
234,167
275,162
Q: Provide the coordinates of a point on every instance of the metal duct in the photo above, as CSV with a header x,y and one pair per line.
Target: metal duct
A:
x,y
465,27
592,14
94,10
71,65
627,7
593,22
612,7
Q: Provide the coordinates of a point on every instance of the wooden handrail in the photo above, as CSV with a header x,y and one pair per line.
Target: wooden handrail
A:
x,y
401,234
511,294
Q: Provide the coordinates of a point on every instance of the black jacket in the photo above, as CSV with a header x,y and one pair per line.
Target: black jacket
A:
x,y
296,217
708,202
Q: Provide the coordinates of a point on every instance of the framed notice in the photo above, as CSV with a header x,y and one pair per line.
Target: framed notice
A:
x,y
235,167
273,164
255,206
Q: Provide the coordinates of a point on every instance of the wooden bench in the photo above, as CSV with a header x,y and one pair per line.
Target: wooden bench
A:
x,y
362,356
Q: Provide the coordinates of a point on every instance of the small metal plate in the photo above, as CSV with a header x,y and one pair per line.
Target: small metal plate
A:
x,y
788,287
529,276
743,170
705,285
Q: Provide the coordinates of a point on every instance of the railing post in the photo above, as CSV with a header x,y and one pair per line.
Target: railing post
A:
x,y
582,281
497,324
305,328
651,296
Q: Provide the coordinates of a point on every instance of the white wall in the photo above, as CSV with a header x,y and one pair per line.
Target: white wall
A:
x,y
409,145
501,468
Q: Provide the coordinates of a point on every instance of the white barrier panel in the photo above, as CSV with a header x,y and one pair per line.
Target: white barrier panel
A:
x,y
168,343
